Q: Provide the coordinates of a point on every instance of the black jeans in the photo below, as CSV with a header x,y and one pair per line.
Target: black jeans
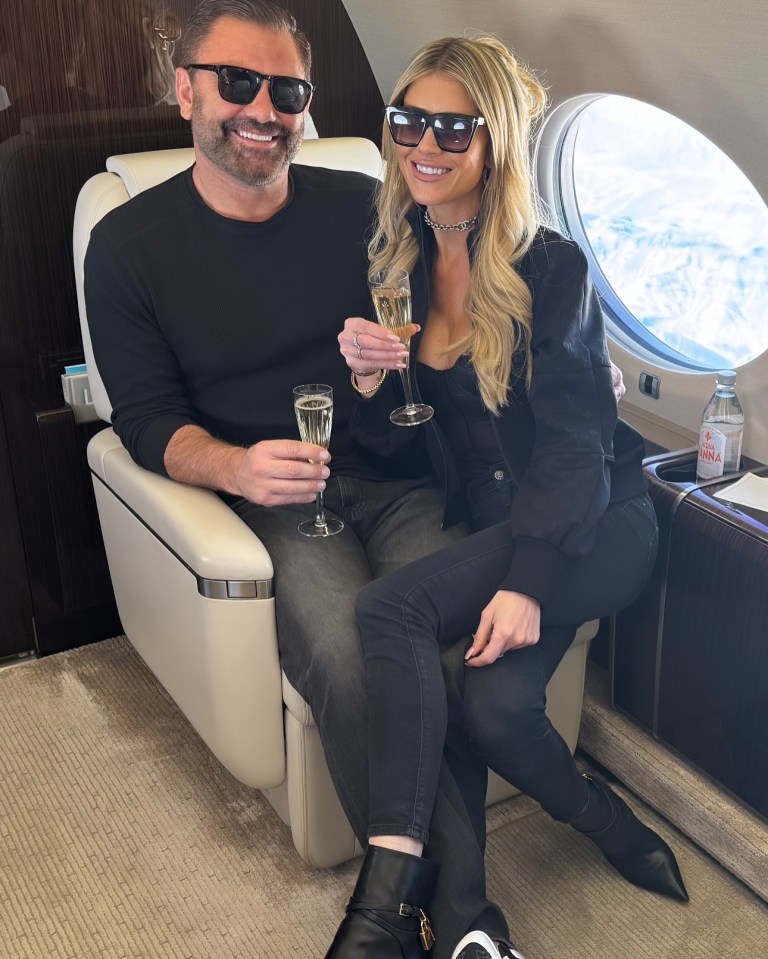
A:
x,y
407,617
388,525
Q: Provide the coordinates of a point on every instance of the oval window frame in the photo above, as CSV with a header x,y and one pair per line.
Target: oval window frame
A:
x,y
554,152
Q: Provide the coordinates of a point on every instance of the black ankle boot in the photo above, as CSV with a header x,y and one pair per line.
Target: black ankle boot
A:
x,y
640,855
386,916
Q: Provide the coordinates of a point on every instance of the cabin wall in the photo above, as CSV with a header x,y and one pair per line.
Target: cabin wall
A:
x,y
702,60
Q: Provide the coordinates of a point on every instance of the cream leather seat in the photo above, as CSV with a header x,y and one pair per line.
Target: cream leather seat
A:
x,y
194,585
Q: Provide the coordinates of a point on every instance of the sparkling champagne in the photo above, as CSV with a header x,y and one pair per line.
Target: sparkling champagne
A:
x,y
391,295
314,415
393,311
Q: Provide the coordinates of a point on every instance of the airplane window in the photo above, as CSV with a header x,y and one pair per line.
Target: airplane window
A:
x,y
676,235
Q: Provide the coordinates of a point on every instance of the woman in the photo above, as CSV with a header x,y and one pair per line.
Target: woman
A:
x,y
525,437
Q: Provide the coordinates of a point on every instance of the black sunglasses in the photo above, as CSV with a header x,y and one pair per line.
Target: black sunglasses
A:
x,y
240,86
453,131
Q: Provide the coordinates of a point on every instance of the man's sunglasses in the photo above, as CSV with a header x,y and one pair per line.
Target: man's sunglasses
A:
x,y
453,131
240,86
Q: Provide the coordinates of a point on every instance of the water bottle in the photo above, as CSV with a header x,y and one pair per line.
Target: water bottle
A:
x,y
722,430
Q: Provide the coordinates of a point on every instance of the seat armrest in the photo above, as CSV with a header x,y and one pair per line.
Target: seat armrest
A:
x,y
195,524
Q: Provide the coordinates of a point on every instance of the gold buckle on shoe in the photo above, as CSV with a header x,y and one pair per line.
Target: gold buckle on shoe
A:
x,y
426,935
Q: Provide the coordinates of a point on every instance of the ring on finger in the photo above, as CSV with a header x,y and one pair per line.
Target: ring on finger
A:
x,y
356,344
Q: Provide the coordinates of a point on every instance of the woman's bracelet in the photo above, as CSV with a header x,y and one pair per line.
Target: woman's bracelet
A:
x,y
371,389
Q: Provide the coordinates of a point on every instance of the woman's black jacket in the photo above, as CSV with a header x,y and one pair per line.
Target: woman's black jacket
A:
x,y
566,450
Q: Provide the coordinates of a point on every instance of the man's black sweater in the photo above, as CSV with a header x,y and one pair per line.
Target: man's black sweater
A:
x,y
197,318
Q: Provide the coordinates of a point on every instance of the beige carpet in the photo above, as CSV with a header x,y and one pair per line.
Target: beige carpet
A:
x,y
120,836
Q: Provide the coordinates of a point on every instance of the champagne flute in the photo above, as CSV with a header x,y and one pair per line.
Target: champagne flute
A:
x,y
391,294
313,405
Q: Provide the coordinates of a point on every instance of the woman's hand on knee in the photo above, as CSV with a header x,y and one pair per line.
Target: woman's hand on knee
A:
x,y
509,621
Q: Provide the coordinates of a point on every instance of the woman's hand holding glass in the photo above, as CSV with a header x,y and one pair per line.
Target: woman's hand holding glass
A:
x,y
369,348
391,294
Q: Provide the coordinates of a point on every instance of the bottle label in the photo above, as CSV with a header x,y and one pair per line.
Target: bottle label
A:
x,y
711,459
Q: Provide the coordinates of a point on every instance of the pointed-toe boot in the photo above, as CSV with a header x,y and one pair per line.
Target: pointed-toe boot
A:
x,y
387,914
640,855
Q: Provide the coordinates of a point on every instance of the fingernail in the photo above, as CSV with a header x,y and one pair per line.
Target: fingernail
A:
x,y
326,472
321,486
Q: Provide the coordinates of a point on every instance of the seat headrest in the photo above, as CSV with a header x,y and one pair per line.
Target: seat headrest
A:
x,y
342,153
139,171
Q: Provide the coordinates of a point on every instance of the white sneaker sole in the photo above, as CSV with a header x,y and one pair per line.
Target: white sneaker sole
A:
x,y
478,938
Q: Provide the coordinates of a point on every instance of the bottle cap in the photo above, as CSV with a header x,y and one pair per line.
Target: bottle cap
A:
x,y
726,377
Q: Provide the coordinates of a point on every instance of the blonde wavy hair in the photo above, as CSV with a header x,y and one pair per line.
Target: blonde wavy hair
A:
x,y
498,301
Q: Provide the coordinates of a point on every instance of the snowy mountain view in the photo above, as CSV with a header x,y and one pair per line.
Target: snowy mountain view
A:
x,y
680,233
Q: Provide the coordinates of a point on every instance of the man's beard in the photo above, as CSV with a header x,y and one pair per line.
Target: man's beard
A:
x,y
220,144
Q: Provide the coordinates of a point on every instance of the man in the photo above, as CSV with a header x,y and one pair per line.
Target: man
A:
x,y
209,298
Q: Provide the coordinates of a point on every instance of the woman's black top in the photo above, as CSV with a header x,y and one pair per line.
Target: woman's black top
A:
x,y
464,421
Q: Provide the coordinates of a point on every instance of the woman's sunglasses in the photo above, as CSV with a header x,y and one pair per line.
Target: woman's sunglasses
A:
x,y
453,131
240,86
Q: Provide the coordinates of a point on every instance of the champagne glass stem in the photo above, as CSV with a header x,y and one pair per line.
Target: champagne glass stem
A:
x,y
319,510
405,376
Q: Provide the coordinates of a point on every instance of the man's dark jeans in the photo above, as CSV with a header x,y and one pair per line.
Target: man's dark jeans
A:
x,y
388,525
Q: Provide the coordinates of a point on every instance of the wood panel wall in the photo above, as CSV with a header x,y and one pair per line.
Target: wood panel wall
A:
x,y
347,101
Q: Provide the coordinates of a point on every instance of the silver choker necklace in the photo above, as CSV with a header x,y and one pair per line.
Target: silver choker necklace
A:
x,y
463,225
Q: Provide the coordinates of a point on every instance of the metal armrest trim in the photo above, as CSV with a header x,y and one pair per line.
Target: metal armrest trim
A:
x,y
235,588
